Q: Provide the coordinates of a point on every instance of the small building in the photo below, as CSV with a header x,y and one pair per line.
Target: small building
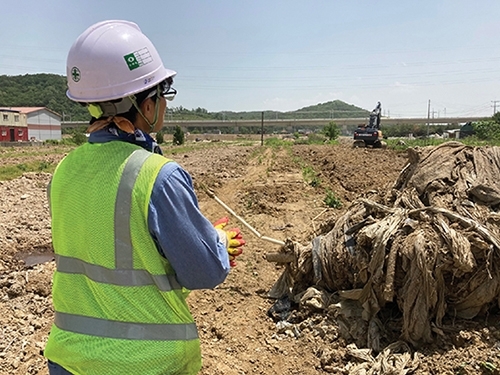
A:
x,y
43,124
467,130
13,126
452,133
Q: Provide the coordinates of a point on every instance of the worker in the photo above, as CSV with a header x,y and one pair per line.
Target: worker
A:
x,y
128,236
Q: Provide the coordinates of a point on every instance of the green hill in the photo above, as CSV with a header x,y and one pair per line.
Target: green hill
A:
x,y
49,90
333,109
40,90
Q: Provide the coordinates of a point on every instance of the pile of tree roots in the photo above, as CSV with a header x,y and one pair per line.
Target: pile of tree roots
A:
x,y
428,248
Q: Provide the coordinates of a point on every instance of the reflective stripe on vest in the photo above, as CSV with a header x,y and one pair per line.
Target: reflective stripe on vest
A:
x,y
100,274
123,274
125,330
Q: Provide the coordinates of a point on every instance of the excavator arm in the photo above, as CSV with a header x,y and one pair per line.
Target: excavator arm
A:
x,y
375,117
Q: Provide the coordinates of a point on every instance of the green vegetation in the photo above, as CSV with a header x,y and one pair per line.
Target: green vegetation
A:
x,y
332,109
277,143
310,176
178,138
331,200
79,137
485,133
475,141
160,137
488,129
32,152
417,130
11,172
400,144
331,131
49,90
40,90
310,139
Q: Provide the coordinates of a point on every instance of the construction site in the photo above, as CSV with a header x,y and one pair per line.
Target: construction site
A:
x,y
399,276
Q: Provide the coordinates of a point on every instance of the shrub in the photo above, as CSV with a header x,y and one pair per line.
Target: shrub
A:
x,y
160,137
315,139
487,130
178,138
331,200
79,137
331,131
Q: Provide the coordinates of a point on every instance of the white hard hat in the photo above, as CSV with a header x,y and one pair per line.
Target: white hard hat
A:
x,y
112,60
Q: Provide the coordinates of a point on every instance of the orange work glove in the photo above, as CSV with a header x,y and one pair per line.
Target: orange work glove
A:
x,y
232,238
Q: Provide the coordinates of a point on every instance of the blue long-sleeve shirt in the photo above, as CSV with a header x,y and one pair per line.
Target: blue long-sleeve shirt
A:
x,y
182,234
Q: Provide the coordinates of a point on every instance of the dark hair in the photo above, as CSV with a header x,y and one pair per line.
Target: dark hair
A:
x,y
131,115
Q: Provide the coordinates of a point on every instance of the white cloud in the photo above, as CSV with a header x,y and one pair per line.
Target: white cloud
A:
x,y
402,87
294,103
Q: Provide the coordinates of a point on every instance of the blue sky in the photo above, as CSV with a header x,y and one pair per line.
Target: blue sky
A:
x,y
258,55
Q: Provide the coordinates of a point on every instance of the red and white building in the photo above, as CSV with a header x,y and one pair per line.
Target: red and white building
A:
x,y
42,123
13,126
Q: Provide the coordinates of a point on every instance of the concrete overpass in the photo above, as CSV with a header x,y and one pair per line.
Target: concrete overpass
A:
x,y
295,123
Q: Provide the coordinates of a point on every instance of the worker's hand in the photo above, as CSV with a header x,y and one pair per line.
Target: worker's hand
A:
x,y
232,238
221,223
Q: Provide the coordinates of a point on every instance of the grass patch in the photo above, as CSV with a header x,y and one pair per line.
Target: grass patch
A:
x,y
169,149
277,143
11,172
474,141
310,176
403,144
33,151
311,139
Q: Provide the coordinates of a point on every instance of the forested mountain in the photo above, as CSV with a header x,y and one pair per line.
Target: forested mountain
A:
x,y
333,109
40,90
49,90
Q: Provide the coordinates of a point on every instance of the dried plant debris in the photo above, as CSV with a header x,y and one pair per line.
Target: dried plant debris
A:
x,y
427,248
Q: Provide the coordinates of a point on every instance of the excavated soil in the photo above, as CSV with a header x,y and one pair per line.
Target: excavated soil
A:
x,y
274,191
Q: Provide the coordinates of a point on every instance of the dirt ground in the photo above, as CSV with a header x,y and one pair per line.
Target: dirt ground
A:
x,y
265,186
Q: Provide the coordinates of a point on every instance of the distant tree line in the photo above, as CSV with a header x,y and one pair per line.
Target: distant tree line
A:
x,y
49,90
417,130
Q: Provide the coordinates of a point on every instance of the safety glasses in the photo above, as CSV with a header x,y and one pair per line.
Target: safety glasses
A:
x,y
167,91
164,89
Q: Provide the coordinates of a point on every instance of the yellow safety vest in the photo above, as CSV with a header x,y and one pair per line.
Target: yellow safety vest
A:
x,y
118,306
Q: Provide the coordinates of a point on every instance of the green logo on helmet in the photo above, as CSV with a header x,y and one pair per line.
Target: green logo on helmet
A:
x,y
138,58
75,74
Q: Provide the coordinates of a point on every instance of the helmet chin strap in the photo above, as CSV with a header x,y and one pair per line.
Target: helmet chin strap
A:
x,y
157,110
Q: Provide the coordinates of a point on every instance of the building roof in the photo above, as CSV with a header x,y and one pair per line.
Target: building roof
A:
x,y
8,110
28,110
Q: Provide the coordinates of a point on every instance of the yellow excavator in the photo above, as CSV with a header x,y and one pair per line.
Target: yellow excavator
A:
x,y
370,135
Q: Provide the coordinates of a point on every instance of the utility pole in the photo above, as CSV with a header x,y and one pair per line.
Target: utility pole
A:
x,y
433,112
495,106
428,117
262,130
